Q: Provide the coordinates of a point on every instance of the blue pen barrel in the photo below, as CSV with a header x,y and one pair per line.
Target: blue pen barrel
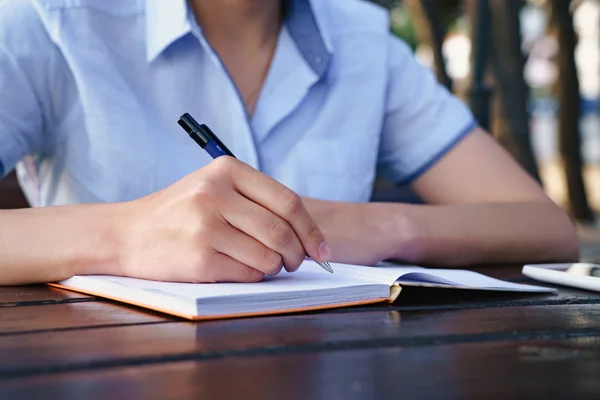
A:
x,y
205,138
214,149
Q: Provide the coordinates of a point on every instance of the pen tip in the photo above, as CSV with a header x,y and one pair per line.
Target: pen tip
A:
x,y
325,265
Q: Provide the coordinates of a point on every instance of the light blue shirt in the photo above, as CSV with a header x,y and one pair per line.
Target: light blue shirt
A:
x,y
91,90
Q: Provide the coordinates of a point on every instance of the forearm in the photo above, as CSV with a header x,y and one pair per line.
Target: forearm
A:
x,y
54,243
469,234
446,235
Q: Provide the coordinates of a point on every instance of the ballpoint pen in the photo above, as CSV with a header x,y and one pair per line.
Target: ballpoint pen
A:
x,y
206,139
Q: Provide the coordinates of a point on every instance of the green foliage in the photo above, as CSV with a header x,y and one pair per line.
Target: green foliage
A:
x,y
402,25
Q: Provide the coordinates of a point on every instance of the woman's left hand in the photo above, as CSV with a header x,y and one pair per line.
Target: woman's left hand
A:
x,y
363,233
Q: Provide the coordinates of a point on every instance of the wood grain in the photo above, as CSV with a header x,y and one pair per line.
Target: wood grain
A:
x,y
107,347
431,343
13,296
566,368
15,320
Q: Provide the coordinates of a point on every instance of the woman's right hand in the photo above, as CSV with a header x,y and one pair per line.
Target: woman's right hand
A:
x,y
225,222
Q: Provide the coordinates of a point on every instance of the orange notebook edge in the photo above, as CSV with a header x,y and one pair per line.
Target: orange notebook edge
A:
x,y
394,292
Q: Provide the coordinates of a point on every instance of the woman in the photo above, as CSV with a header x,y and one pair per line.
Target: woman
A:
x,y
316,95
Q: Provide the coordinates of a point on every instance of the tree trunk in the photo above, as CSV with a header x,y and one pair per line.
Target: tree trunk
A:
x,y
431,30
479,92
569,111
507,62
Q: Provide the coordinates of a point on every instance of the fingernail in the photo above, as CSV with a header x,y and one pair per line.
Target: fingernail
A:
x,y
324,252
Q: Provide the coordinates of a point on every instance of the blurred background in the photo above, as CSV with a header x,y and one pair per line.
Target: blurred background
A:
x,y
529,70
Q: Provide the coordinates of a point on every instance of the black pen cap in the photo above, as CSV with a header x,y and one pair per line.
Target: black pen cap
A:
x,y
189,124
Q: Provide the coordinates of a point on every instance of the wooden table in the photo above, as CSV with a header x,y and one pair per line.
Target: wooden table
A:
x,y
430,344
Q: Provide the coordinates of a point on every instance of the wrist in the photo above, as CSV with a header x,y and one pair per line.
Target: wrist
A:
x,y
365,233
400,226
99,250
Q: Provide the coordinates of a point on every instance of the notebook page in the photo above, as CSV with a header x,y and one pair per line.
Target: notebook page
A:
x,y
309,277
380,273
466,280
418,276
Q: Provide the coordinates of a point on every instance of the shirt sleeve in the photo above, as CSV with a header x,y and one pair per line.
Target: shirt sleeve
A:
x,y
22,56
423,120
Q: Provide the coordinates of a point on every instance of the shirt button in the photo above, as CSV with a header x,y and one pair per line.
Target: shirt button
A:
x,y
318,60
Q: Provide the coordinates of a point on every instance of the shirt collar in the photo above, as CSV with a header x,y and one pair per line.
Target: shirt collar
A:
x,y
310,37
167,21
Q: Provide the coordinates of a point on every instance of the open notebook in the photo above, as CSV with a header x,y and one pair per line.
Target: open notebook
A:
x,y
306,289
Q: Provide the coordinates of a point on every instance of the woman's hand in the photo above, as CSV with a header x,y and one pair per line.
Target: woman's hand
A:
x,y
363,233
225,222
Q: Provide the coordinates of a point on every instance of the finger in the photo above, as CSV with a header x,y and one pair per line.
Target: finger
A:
x,y
265,227
220,267
283,202
247,250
